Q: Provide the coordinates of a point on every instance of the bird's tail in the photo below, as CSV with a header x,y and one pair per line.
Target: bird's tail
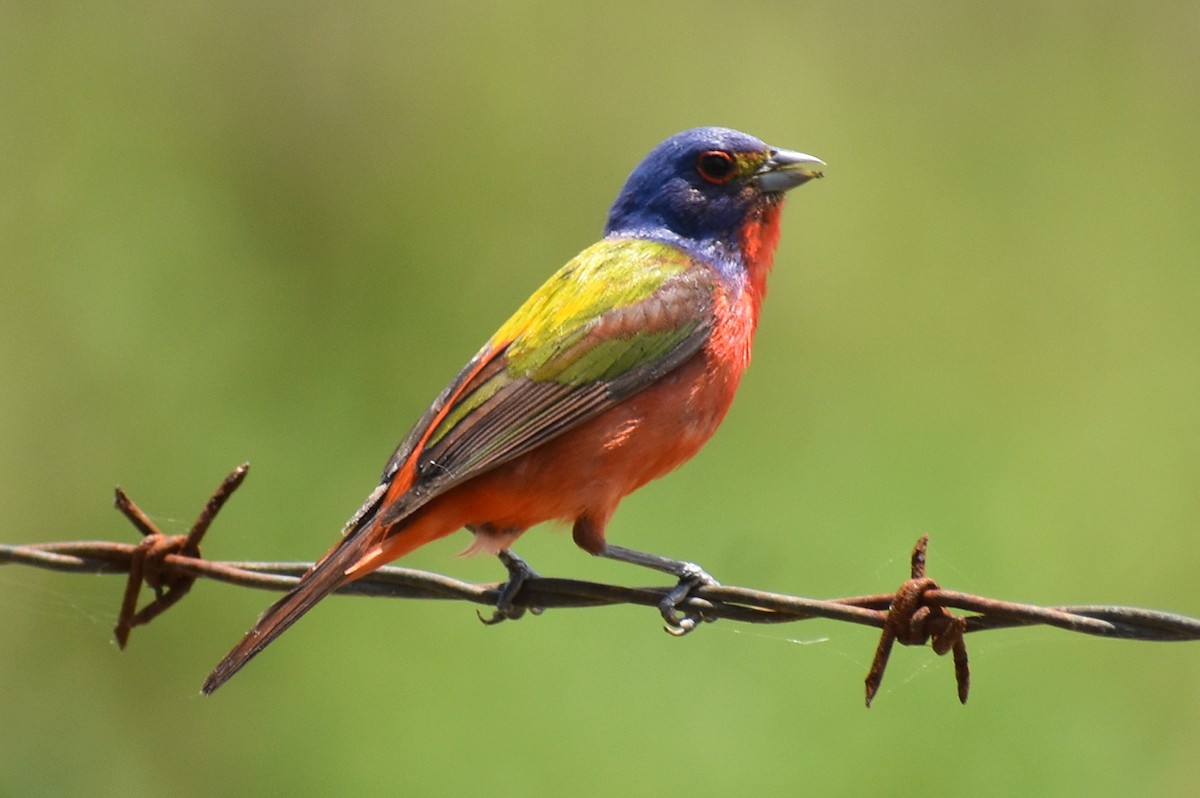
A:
x,y
339,566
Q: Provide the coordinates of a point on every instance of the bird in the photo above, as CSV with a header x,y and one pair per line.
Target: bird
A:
x,y
618,369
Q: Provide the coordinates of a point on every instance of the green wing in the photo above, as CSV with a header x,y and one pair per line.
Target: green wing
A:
x,y
610,323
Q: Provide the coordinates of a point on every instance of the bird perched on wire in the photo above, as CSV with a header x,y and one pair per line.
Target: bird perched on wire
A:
x,y
616,371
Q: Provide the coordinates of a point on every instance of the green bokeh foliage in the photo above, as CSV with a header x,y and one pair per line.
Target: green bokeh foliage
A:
x,y
272,231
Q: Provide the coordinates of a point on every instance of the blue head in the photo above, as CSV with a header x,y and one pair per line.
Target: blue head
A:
x,y
701,186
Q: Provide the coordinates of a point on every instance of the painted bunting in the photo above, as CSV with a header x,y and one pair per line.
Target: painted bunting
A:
x,y
616,371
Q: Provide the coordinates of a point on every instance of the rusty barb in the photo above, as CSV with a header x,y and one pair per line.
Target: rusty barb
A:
x,y
914,623
146,562
917,613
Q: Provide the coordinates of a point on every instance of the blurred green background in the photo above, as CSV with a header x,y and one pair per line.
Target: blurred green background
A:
x,y
272,231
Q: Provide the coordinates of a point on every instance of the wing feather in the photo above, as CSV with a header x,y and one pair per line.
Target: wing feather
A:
x,y
548,371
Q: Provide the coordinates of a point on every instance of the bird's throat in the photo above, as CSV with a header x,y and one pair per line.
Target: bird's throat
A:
x,y
759,237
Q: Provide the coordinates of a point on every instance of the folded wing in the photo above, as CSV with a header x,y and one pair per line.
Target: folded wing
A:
x,y
609,324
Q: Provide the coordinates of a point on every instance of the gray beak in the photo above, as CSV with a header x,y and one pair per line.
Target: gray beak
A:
x,y
787,169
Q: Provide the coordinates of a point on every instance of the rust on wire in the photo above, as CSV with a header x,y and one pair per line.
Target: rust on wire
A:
x,y
915,614
147,561
914,622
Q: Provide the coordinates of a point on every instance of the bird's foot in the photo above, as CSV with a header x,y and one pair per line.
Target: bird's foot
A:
x,y
506,609
691,577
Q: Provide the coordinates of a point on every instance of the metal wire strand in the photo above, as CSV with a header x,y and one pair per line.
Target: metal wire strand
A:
x,y
917,613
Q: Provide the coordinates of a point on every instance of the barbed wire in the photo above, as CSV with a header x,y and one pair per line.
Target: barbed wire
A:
x,y
916,614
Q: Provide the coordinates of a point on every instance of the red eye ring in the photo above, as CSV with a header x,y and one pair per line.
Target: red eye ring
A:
x,y
716,166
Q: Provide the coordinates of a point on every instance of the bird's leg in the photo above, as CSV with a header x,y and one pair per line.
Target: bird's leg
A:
x,y
691,576
518,572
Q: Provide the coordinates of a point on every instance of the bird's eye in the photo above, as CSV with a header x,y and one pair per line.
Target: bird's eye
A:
x,y
716,166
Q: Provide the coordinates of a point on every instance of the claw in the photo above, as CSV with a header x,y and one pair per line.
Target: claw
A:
x,y
691,577
518,572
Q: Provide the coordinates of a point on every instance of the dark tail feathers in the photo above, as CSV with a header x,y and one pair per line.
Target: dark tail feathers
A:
x,y
326,576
